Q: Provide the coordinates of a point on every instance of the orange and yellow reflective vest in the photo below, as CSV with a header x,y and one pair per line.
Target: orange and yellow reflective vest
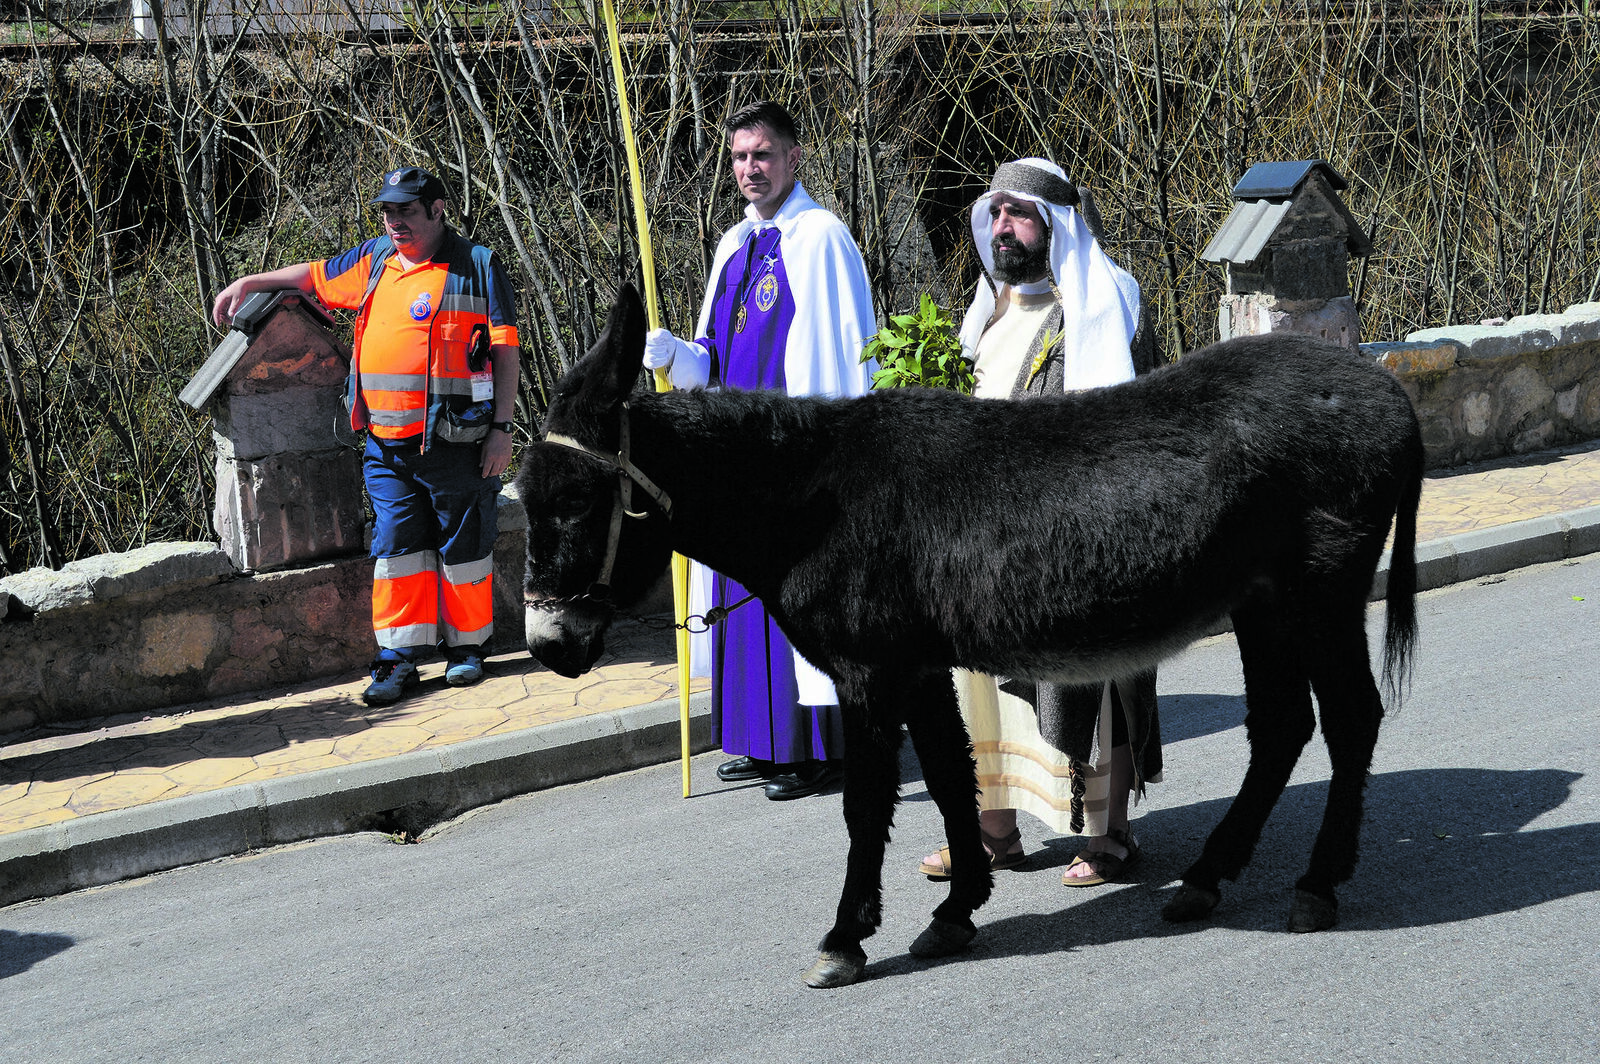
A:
x,y
421,364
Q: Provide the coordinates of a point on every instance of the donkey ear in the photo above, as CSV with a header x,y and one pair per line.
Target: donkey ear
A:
x,y
624,332
605,376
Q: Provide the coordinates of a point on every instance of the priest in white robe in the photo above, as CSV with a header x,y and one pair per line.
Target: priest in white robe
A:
x,y
787,306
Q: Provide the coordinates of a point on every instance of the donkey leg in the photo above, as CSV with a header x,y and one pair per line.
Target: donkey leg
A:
x,y
1279,722
871,789
945,753
1351,710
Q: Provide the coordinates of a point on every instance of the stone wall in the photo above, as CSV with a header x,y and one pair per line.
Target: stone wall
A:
x,y
1487,391
175,623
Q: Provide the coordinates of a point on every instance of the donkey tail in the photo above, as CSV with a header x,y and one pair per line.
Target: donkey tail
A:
x,y
1400,630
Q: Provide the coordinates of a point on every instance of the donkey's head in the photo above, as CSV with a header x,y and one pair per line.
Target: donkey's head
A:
x,y
596,524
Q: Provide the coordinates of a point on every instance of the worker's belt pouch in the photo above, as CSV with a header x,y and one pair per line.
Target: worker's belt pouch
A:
x,y
467,425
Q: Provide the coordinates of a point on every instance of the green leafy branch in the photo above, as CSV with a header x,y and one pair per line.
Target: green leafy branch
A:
x,y
920,349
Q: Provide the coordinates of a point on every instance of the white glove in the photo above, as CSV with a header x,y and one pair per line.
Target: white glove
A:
x,y
661,348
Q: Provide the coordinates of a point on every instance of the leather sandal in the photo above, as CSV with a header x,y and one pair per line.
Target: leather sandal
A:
x,y
1106,866
999,859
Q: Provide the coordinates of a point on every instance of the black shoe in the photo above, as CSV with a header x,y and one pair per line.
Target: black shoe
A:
x,y
813,779
741,769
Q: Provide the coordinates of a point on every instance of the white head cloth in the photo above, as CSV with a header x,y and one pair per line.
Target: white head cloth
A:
x,y
1099,299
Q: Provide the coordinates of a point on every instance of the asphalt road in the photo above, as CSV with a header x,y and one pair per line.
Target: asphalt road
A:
x,y
614,921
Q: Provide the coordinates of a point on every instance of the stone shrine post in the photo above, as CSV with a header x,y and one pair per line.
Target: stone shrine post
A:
x,y
288,490
1287,245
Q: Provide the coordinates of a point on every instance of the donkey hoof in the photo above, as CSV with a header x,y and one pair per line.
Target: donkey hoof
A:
x,y
1312,912
1190,903
835,969
943,938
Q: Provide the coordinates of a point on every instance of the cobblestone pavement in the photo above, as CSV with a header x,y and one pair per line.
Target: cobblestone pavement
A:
x,y
56,773
1509,490
48,775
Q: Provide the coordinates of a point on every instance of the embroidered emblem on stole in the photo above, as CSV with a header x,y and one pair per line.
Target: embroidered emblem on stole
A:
x,y
767,293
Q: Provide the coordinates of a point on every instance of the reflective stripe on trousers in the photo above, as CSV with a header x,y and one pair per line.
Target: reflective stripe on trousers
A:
x,y
432,543
466,602
416,601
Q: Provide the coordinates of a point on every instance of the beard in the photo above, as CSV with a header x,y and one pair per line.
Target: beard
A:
x,y
1016,263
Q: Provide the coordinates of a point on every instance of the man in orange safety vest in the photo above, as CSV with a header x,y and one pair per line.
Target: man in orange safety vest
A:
x,y
433,381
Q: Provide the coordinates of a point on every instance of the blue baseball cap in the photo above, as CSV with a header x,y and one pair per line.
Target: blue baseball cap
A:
x,y
410,183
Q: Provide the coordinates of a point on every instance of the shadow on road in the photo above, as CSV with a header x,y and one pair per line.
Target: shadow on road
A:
x,y
1191,716
19,952
1439,846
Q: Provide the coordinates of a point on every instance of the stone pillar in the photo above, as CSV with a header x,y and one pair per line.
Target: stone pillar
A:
x,y
1287,245
288,490
1254,313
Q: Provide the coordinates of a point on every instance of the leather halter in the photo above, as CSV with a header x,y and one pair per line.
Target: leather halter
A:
x,y
628,475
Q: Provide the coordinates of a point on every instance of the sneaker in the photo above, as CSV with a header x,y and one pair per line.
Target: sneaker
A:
x,y
389,682
465,669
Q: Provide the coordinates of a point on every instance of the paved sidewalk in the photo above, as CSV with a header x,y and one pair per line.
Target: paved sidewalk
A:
x,y
98,801
61,772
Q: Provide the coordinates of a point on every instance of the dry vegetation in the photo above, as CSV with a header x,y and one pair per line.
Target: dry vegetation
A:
x,y
141,177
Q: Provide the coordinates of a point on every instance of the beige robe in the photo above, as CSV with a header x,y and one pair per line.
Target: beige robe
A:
x,y
1018,768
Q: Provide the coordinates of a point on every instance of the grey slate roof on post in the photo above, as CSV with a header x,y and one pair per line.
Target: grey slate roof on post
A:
x,y
1244,235
1262,198
253,312
1279,180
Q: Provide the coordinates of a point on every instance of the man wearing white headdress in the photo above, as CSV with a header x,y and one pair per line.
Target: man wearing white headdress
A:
x,y
1052,313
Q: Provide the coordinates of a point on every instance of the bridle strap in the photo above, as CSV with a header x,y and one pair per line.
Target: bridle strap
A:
x,y
628,475
622,463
